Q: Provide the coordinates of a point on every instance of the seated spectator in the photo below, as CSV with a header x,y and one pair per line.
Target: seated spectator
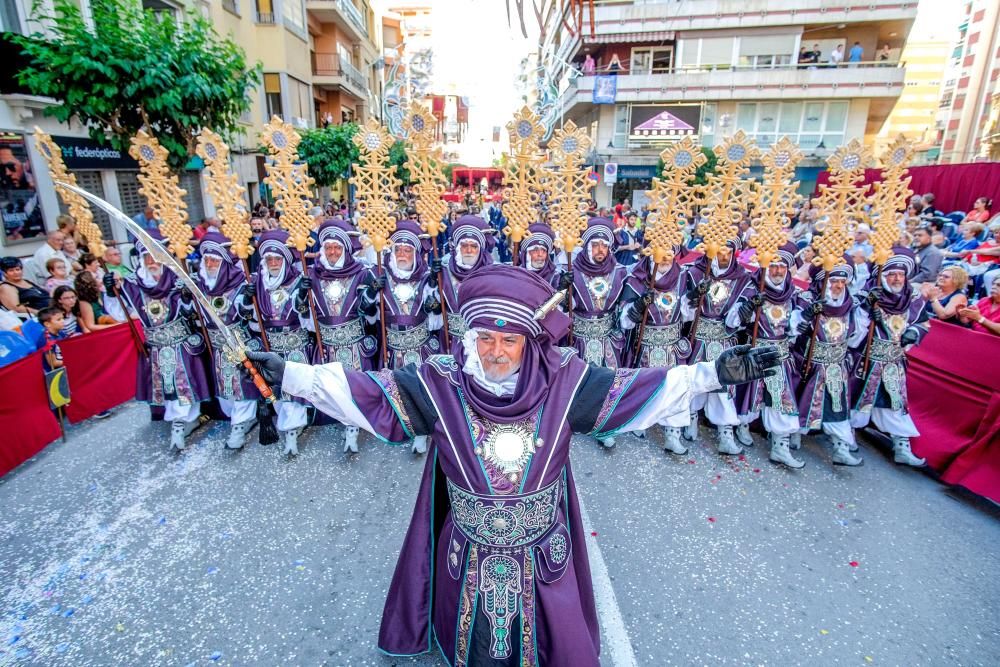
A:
x,y
51,248
984,259
969,240
67,225
985,315
58,274
72,252
65,299
113,262
861,241
803,260
17,294
948,296
928,257
92,312
980,211
929,210
88,262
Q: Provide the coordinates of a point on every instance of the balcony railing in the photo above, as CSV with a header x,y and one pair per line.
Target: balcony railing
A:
x,y
331,64
353,13
264,18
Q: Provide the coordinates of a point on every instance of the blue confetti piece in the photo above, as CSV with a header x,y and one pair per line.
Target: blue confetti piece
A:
x,y
69,612
87,599
163,520
299,562
92,488
13,640
55,609
216,655
22,653
212,570
62,648
83,576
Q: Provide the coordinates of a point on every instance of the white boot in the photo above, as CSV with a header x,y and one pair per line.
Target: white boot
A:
x,y
180,430
727,444
351,439
420,444
795,440
292,441
901,452
743,435
607,443
238,434
673,443
781,454
842,454
691,430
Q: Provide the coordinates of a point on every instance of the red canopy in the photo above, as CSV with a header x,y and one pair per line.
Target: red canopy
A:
x,y
473,175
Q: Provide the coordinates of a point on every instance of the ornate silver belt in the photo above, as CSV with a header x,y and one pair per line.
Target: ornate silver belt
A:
x,y
592,327
827,353
456,325
342,335
504,521
711,330
408,339
168,334
780,343
661,336
886,350
288,341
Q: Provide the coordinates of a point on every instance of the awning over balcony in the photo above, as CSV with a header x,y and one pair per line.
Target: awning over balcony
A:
x,y
628,37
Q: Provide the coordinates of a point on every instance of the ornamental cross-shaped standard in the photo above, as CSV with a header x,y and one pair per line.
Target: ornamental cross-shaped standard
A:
x,y
163,192
570,185
775,197
426,169
728,193
227,194
289,181
841,204
376,184
522,174
75,204
672,199
889,198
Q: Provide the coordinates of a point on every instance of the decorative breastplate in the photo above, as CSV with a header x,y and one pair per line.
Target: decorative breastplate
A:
x,y
664,302
334,292
718,292
405,294
599,288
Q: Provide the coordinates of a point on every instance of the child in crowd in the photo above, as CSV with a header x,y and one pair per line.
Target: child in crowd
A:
x,y
58,274
52,319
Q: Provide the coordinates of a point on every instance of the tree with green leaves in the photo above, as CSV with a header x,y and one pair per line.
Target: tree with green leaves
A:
x,y
329,151
703,172
129,69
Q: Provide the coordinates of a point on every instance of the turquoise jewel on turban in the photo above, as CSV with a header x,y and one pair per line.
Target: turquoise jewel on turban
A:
x,y
501,323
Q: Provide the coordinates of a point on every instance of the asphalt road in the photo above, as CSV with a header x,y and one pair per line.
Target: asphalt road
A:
x,y
114,551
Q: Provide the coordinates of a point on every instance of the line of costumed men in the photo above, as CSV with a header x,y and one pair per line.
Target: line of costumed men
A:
x,y
493,569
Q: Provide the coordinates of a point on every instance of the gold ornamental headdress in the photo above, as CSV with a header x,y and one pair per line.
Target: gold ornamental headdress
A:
x,y
426,169
77,205
376,184
672,199
890,197
522,174
728,193
841,204
224,187
775,197
570,185
289,181
163,192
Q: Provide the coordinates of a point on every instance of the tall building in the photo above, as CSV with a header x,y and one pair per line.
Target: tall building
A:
x,y
971,83
664,69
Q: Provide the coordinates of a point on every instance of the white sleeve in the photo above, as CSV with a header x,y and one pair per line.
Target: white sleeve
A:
x,y
861,322
733,316
680,387
326,387
624,321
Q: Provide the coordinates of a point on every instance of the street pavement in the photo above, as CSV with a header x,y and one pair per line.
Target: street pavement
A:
x,y
115,551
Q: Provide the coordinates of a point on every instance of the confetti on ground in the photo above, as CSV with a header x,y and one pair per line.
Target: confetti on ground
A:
x,y
711,519
854,563
824,632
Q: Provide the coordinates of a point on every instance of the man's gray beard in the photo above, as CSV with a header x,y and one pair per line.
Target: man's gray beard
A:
x,y
494,375
538,266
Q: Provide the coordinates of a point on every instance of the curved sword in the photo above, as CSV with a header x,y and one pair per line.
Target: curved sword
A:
x,y
234,347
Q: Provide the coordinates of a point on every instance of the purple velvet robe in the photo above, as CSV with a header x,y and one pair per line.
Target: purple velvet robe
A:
x,y
337,301
596,335
660,348
404,300
231,383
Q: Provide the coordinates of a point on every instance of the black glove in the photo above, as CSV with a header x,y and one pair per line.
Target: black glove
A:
x,y
817,307
304,286
878,317
376,284
909,337
435,266
270,365
432,306
757,300
742,364
186,296
746,310
109,283
694,294
874,296
805,326
565,280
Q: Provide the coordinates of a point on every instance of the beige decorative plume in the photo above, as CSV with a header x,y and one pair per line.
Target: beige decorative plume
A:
x,y
224,187
163,192
289,181
522,173
570,185
376,184
426,169
77,205
774,199
728,192
840,204
889,198
671,200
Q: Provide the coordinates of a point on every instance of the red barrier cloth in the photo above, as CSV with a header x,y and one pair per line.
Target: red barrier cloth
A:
x,y
955,186
101,368
26,422
954,393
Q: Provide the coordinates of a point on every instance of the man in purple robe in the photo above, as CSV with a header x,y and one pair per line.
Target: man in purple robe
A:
x,y
657,297
536,256
825,391
282,294
494,567
774,398
339,286
900,322
222,280
175,375
716,291
472,247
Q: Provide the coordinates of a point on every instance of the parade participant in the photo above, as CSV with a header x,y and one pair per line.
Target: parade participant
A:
x,y
662,344
825,391
536,256
338,284
494,564
774,398
472,248
900,322
412,310
721,288
598,283
222,279
174,375
282,294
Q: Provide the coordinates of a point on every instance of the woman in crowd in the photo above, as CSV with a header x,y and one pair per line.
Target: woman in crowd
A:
x,y
72,251
18,294
804,260
946,298
985,315
91,306
980,211
88,262
969,240
64,298
58,274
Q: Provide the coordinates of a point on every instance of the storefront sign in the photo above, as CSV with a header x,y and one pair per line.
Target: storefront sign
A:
x,y
664,124
19,204
86,154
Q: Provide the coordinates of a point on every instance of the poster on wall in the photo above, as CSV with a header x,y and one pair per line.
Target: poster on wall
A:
x,y
19,205
605,89
660,124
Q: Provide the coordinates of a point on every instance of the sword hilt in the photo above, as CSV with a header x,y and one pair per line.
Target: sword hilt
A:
x,y
258,381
